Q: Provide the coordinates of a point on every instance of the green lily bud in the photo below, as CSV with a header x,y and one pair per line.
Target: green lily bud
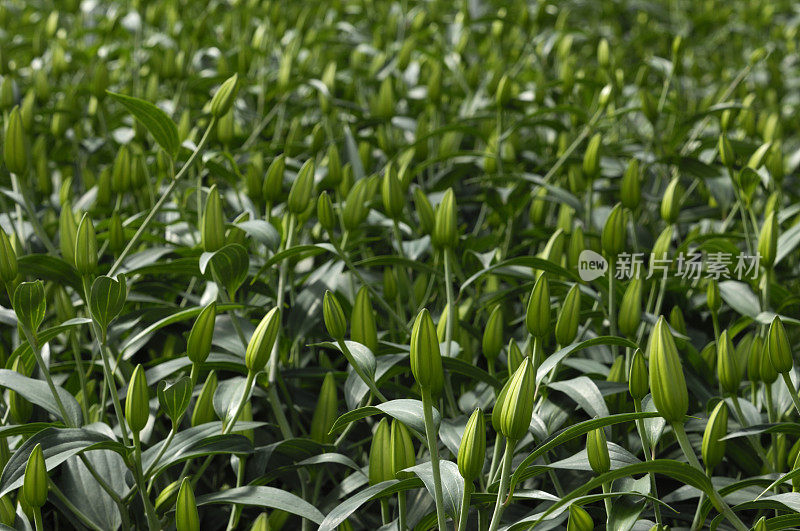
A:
x,y
333,315
334,166
614,232
273,182
537,316
116,234
34,486
392,193
775,165
472,450
766,370
403,455
389,284
768,240
362,321
67,232
667,383
445,228
591,157
8,259
796,479
302,187
597,451
713,447
780,352
356,205
568,317
538,208
262,523
630,310
121,171
638,385
86,247
260,346
224,96
198,345
204,407
325,412
493,334
671,201
325,215
137,402
576,245
630,188
516,408
30,305
166,498
554,249
616,374
186,517
514,356
603,53
20,408
712,296
384,104
727,371
380,454
661,246
426,359
726,154
754,360
579,519
424,211
604,97
742,353
26,110
15,147
212,232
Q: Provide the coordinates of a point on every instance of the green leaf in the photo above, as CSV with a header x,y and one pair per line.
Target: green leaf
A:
x,y
262,231
585,393
107,298
51,268
38,392
406,410
58,445
740,297
265,497
229,265
156,121
517,267
86,494
340,513
452,484
174,398
556,358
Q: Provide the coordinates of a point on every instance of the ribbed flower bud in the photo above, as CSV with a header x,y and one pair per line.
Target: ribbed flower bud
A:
x,y
671,201
766,370
667,383
362,321
424,211
86,247
67,233
614,233
768,241
579,519
356,204
426,359
34,486
198,345
569,316
302,187
20,408
212,230
630,309
537,315
325,411
445,228
726,155
273,181
597,451
754,360
15,146
333,315
712,296
472,450
403,455
630,188
325,214
780,352
727,370
514,355
392,193
591,157
224,97
516,407
8,259
204,407
493,334
186,517
260,346
137,402
380,454
713,448
638,384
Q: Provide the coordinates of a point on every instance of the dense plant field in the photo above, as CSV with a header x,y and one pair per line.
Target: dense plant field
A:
x,y
399,265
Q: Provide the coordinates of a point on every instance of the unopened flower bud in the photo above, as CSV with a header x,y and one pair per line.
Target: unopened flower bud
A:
x,y
204,407
630,188
569,317
198,345
224,96
493,334
333,315
362,321
137,402
638,384
780,352
630,310
356,204
579,519
426,359
273,181
380,454
212,230
260,346
472,450
667,382
302,187
15,146
768,240
591,157
726,154
325,411
727,371
671,201
8,259
34,486
514,356
186,517
614,233
403,455
445,228
713,447
597,451
424,211
86,247
392,193
325,214
516,408
537,316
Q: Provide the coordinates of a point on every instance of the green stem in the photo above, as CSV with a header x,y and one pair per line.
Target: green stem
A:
x,y
385,514
368,381
401,511
184,169
686,447
463,514
495,457
152,519
34,344
37,518
85,520
752,438
648,456
242,401
792,391
433,448
607,501
452,312
499,505
612,315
